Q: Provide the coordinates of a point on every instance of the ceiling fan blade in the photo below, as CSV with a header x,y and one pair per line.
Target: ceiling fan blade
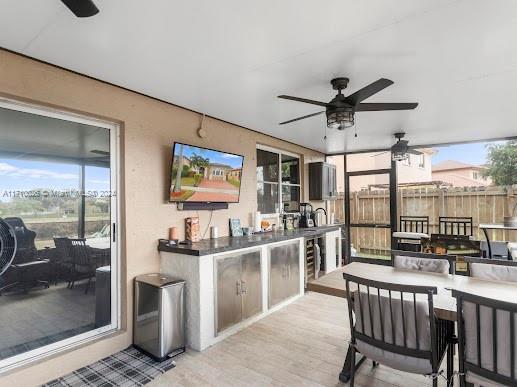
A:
x,y
414,152
301,118
378,154
81,8
303,100
373,107
368,91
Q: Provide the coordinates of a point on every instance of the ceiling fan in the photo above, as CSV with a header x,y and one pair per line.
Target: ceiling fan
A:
x,y
400,150
82,8
340,110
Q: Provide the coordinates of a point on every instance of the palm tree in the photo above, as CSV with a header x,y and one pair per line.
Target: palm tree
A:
x,y
177,183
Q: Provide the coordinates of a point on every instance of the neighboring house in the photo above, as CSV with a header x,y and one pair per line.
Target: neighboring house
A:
x,y
235,174
416,169
460,174
216,171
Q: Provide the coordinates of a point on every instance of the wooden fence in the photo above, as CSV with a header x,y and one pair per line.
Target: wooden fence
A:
x,y
484,205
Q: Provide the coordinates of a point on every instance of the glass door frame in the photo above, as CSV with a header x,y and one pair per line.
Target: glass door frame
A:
x,y
73,342
392,173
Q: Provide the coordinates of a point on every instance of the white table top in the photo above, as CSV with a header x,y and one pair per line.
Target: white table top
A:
x,y
497,226
444,303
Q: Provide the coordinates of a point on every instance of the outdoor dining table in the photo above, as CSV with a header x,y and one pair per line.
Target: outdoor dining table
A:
x,y
443,302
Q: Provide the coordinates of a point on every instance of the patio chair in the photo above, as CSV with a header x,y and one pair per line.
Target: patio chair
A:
x,y
83,264
411,231
395,325
63,261
491,269
455,225
486,333
434,263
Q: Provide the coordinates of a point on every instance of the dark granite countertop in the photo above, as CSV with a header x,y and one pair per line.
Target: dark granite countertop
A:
x,y
223,244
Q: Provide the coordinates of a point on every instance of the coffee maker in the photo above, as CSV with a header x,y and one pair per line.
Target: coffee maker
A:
x,y
306,216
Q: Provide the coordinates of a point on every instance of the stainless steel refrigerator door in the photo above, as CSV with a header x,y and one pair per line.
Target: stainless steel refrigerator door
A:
x,y
228,292
251,284
172,329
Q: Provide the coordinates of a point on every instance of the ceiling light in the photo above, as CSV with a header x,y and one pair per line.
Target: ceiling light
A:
x,y
399,156
340,118
82,8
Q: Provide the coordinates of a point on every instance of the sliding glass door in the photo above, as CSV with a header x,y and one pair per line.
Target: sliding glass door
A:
x,y
58,196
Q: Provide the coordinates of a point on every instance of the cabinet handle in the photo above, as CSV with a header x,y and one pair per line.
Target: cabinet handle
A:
x,y
239,290
244,288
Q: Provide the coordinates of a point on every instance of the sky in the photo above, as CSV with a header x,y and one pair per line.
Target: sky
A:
x,y
214,156
23,175
474,153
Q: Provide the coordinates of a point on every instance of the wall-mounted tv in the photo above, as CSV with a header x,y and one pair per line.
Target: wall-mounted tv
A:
x,y
204,175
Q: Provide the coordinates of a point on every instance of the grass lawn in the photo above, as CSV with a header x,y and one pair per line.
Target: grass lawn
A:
x,y
184,196
235,183
189,181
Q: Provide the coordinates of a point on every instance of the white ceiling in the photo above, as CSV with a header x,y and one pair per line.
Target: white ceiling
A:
x,y
231,58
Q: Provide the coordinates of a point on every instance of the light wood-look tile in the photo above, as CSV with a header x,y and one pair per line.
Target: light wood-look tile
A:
x,y
303,344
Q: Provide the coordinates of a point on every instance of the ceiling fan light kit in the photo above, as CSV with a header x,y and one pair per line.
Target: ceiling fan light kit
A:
x,y
82,8
340,111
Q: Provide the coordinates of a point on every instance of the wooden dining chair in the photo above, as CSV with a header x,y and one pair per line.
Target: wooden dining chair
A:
x,y
491,269
395,325
434,263
487,345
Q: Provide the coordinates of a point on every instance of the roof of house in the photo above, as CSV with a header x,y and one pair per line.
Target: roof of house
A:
x,y
447,165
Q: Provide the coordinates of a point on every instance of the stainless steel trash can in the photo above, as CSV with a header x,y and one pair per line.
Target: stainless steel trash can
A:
x,y
159,316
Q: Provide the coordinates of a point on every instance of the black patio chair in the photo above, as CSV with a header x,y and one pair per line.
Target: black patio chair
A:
x,y
395,325
486,333
83,264
455,225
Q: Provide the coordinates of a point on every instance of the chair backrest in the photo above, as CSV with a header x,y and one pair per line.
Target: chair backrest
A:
x,y
487,342
395,318
414,224
491,269
64,249
80,253
434,263
26,248
455,225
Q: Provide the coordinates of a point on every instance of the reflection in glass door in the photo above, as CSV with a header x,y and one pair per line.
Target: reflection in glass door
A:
x,y
368,210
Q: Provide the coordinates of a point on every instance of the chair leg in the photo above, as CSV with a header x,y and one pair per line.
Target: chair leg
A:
x,y
435,382
88,285
352,367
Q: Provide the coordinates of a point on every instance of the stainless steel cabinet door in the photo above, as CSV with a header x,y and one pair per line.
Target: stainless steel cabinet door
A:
x,y
228,287
251,284
284,272
277,274
293,268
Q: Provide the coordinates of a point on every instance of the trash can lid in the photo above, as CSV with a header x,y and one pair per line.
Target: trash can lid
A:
x,y
158,280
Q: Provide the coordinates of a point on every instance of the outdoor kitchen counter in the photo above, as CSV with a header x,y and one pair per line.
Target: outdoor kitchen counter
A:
x,y
223,244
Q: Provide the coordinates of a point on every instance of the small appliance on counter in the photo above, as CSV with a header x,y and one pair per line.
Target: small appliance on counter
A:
x,y
318,218
306,217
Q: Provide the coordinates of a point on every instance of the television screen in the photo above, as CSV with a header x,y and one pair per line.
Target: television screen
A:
x,y
204,175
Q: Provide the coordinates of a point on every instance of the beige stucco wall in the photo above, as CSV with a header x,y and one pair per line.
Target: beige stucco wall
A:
x,y
149,127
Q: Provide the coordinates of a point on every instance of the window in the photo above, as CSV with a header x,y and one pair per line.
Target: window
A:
x,y
421,160
278,181
58,195
475,175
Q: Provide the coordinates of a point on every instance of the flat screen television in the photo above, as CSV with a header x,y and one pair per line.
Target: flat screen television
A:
x,y
204,175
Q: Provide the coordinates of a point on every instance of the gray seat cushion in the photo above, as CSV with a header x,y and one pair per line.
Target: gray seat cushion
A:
x,y
385,357
421,264
487,271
